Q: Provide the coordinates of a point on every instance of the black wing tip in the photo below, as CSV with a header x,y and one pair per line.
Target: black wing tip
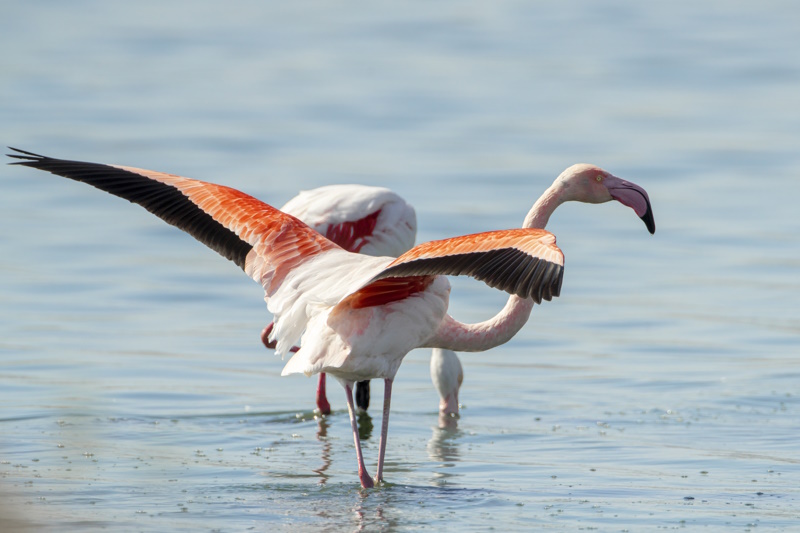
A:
x,y
557,291
549,287
27,158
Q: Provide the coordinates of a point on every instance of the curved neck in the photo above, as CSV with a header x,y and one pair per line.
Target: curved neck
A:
x,y
460,337
540,213
455,335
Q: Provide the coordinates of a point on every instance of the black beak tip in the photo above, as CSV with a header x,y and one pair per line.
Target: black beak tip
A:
x,y
649,221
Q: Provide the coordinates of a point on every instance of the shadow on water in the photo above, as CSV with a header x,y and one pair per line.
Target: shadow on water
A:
x,y
364,425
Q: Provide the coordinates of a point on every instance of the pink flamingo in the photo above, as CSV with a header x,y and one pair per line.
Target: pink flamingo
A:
x,y
358,316
370,220
378,222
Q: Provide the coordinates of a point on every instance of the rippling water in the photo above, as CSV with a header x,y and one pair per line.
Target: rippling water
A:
x,y
659,391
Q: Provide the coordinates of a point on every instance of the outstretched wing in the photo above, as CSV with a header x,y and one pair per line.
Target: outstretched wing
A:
x,y
265,242
525,262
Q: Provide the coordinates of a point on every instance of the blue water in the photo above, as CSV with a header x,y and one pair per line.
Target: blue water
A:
x,y
660,391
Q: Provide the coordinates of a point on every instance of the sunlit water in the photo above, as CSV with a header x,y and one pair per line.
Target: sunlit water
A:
x,y
659,391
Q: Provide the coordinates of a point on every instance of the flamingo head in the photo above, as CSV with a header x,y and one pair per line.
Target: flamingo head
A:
x,y
591,184
447,376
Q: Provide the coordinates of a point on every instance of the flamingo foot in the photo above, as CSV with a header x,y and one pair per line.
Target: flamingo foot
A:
x,y
265,336
271,345
366,480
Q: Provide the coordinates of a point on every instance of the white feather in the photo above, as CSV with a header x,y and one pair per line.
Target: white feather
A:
x,y
323,207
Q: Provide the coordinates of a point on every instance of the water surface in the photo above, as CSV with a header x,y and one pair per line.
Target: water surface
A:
x,y
659,391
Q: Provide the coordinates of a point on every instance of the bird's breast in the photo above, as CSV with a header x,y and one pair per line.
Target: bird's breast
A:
x,y
371,342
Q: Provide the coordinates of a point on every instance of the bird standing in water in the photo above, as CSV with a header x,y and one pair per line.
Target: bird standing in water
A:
x,y
358,316
368,220
378,222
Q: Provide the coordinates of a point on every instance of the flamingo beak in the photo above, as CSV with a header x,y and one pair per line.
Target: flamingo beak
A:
x,y
648,219
633,196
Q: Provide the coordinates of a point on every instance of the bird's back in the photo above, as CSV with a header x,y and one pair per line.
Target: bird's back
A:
x,y
359,218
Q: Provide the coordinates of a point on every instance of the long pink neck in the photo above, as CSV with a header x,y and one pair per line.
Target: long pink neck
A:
x,y
455,335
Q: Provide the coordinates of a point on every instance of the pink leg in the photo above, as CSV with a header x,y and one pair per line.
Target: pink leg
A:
x,y
322,398
387,402
366,481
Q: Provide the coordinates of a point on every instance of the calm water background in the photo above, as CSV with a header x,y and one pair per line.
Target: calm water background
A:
x,y
659,391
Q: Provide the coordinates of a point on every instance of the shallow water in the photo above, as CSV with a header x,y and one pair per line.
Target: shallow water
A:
x,y
659,391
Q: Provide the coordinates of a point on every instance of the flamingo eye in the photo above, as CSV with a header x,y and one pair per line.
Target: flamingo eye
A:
x,y
599,177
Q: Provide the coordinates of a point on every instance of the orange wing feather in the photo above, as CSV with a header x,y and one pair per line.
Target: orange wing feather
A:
x,y
525,262
265,242
280,241
537,242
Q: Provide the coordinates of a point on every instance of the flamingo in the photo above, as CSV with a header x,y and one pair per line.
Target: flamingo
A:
x,y
357,316
378,222
369,220
447,376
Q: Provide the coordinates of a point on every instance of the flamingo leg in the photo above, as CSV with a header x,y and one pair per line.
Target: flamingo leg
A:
x,y
322,398
366,481
387,402
362,395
